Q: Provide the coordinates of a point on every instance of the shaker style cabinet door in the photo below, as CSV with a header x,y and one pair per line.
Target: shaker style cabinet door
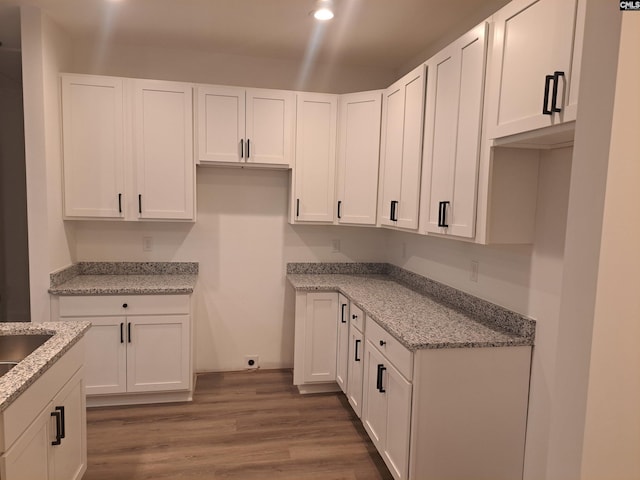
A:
x,y
358,157
269,127
314,171
342,360
401,150
453,122
320,337
356,369
531,60
163,150
93,146
106,358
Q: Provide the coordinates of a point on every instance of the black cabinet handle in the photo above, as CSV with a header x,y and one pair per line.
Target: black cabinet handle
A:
x,y
554,93
139,203
121,332
354,316
339,208
58,439
248,148
119,203
393,216
545,103
242,148
381,369
357,358
62,422
129,332
442,214
382,343
297,207
342,317
125,305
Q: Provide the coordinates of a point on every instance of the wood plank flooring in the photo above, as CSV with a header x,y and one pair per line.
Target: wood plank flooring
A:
x,y
240,425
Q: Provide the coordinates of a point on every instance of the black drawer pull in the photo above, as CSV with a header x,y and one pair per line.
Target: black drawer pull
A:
x,y
119,203
382,343
545,102
393,216
442,214
139,203
381,369
121,332
129,332
125,305
354,316
342,317
339,209
242,148
248,148
554,93
357,358
58,439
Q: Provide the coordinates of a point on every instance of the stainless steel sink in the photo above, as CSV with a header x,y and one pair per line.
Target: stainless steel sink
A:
x,y
14,348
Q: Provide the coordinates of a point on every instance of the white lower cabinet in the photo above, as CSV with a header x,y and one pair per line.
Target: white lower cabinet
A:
x,y
43,432
139,347
355,360
342,358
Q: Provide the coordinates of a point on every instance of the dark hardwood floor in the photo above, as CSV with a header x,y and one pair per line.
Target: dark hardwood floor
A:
x,y
240,425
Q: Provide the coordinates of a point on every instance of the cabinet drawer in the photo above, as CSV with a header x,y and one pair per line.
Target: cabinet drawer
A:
x,y
98,305
357,317
391,348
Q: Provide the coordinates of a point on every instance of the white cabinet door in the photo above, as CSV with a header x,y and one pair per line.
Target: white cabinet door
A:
x,y
320,340
106,355
402,151
356,369
374,399
358,157
158,353
93,146
396,445
316,121
269,127
28,458
453,121
163,136
342,360
69,459
221,124
533,39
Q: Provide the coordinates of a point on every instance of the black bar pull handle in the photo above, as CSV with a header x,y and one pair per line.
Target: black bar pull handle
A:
x,y
242,148
381,369
62,422
129,332
343,319
442,214
357,358
297,207
554,93
58,439
394,211
139,203
339,208
547,83
121,332
119,203
248,148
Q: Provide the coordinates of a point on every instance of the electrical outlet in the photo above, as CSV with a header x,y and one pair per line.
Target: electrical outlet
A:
x,y
473,276
147,244
335,245
251,362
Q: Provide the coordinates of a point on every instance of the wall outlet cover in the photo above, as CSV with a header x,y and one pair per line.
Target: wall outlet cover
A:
x,y
251,362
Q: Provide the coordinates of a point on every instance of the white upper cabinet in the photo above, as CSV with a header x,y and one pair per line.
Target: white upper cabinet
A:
x,y
93,145
453,122
163,152
237,125
314,171
401,150
531,75
127,149
358,157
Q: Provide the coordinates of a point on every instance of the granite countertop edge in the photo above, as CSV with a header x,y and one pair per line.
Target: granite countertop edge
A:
x,y
31,368
512,341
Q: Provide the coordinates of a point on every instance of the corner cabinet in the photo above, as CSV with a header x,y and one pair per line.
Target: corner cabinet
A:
x,y
244,126
43,432
533,77
453,122
401,149
127,149
314,171
138,348
359,118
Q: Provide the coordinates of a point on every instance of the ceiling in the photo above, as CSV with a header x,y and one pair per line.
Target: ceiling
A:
x,y
380,33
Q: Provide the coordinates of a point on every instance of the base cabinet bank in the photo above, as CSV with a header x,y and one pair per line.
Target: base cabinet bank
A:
x,y
432,413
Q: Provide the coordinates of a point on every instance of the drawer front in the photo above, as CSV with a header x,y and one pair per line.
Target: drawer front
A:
x,y
107,305
357,317
391,348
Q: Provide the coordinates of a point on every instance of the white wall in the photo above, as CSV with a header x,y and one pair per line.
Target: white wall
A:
x,y
216,68
243,242
612,425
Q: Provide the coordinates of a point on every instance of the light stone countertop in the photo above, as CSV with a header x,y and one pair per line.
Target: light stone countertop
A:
x,y
126,285
417,321
18,379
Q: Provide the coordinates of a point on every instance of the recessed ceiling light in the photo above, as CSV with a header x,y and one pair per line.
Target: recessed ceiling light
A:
x,y
324,10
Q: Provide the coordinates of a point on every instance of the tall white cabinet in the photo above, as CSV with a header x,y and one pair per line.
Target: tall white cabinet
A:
x,y
401,151
358,157
452,137
238,125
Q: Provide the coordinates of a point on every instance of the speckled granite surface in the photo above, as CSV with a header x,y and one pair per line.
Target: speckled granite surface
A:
x,y
343,267
129,278
418,321
65,335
